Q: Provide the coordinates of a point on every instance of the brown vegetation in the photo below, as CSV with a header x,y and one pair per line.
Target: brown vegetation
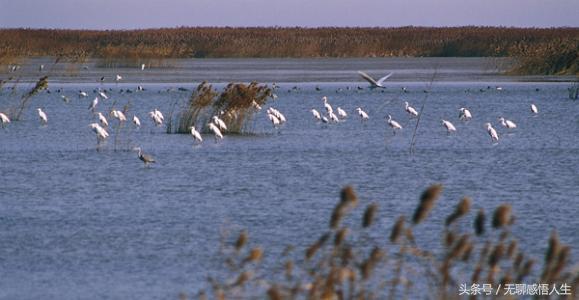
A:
x,y
347,263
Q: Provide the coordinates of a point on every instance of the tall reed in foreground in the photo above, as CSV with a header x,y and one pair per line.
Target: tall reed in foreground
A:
x,y
345,263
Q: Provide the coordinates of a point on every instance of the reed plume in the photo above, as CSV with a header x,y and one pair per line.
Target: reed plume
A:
x,y
427,200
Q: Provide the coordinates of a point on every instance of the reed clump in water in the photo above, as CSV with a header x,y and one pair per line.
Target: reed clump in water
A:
x,y
236,106
357,266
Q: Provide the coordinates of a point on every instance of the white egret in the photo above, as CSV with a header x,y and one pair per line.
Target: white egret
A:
x,y
333,117
507,123
363,115
103,95
119,115
82,94
327,105
373,83
342,113
217,121
534,109
449,127
464,114
274,120
159,114
196,135
136,121
393,124
118,77
325,120
215,131
316,114
492,132
4,119
156,119
94,104
42,116
103,120
409,109
143,67
101,133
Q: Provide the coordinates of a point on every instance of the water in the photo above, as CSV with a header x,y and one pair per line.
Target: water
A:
x,y
81,224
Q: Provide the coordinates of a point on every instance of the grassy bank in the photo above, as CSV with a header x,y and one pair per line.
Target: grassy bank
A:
x,y
147,46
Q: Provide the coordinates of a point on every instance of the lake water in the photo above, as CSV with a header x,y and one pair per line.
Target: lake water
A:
x,y
80,224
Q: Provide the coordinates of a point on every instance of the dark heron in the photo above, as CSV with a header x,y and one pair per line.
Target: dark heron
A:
x,y
145,158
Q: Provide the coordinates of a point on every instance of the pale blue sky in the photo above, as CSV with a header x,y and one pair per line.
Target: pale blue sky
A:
x,y
124,14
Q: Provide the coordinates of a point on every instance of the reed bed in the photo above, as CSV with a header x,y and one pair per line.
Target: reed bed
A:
x,y
236,105
346,263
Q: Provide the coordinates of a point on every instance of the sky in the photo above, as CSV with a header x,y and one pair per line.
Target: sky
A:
x,y
131,14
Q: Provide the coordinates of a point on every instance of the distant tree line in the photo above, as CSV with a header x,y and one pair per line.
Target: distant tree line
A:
x,y
529,44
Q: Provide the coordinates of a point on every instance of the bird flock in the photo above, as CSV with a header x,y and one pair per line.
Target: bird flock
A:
x,y
217,126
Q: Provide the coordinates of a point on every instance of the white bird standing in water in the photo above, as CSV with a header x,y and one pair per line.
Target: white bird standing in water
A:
x,y
42,116
216,131
4,119
159,114
143,67
82,94
507,123
464,114
363,115
342,113
492,132
118,77
103,120
156,118
410,110
119,115
101,133
217,121
316,114
94,103
136,121
393,124
274,120
196,135
534,108
327,105
449,127
333,117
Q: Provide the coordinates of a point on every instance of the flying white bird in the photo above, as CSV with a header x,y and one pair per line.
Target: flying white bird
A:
x,y
4,119
216,131
393,124
464,114
217,121
492,132
373,83
409,109
507,123
196,135
42,116
94,104
449,127
136,121
534,109
103,120
342,113
363,115
316,114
